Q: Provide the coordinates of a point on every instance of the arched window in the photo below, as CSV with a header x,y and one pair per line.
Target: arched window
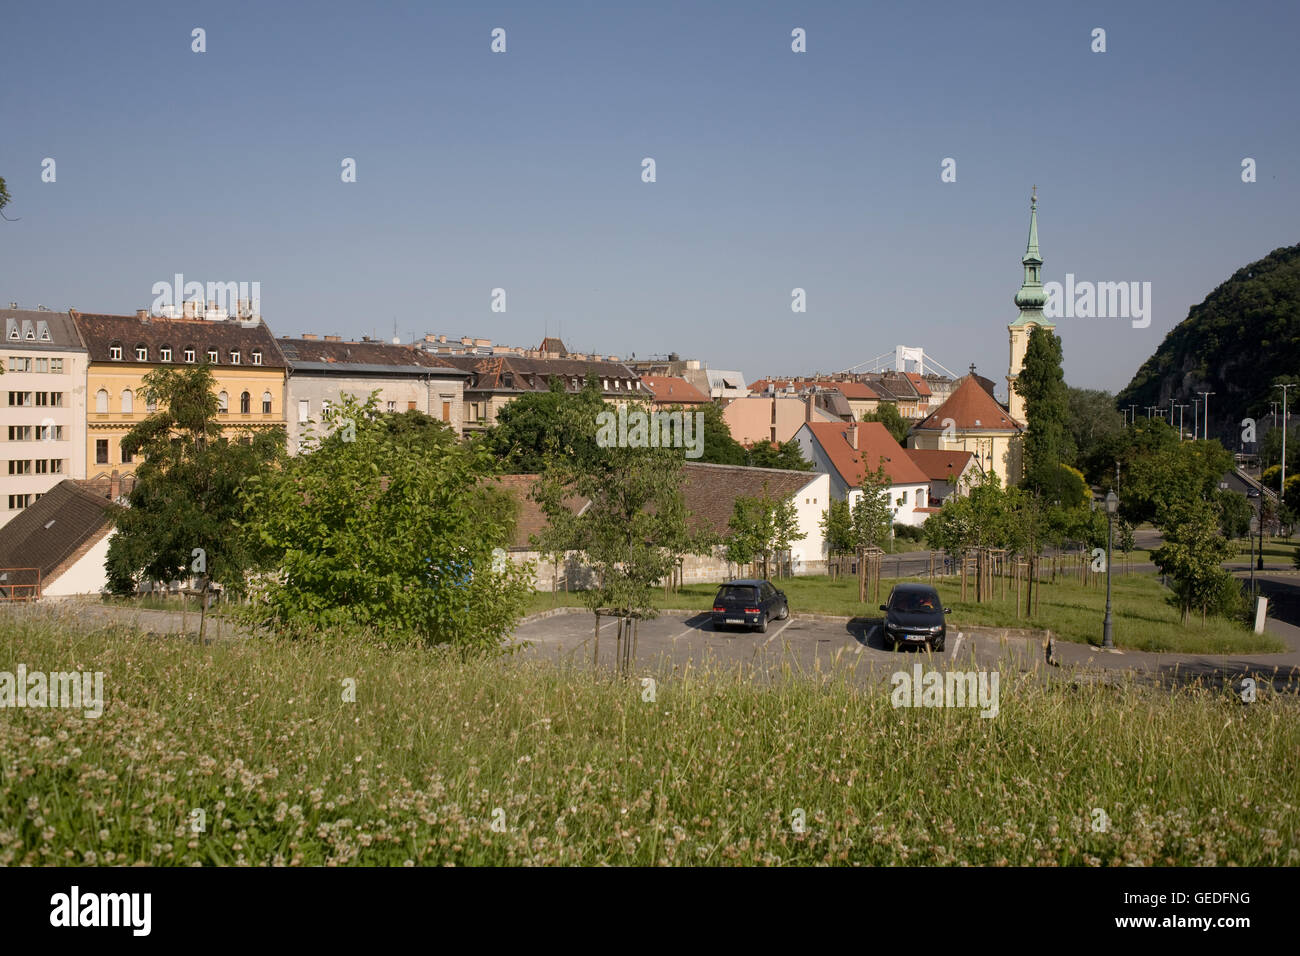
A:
x,y
223,402
245,402
101,401
128,406
266,403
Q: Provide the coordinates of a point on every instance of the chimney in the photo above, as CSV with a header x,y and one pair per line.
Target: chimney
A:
x,y
308,336
807,407
13,305
333,338
114,485
142,313
853,435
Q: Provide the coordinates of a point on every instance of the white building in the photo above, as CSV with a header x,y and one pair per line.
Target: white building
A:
x,y
43,405
847,451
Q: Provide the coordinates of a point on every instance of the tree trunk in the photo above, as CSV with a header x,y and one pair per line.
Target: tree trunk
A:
x,y
862,578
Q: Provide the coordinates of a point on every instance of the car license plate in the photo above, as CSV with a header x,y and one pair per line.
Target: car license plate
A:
x,y
735,620
915,637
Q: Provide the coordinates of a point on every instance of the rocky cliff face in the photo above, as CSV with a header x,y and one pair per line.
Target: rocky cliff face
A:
x,y
1244,335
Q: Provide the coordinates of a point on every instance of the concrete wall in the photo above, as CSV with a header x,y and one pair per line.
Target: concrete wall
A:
x,y
85,575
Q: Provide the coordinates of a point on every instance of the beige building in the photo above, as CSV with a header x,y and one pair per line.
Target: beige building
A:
x,y
771,418
43,397
971,420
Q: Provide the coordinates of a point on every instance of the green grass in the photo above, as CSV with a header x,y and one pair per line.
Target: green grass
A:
x,y
1143,620
579,770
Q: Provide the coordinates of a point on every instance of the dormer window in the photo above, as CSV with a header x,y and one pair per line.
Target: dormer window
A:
x,y
212,356
43,331
257,356
234,356
13,328
142,353
189,354
115,352
165,353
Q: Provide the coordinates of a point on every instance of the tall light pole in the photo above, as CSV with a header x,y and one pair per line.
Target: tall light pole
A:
x,y
1134,410
1205,426
1112,505
1180,421
1281,487
1196,419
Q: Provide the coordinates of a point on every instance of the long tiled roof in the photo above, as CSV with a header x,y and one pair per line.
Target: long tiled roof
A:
x,y
316,355
47,533
940,464
711,490
668,389
100,332
534,374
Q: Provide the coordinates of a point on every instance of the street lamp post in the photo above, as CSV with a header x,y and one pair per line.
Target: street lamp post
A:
x,y
1205,419
1112,505
1196,419
1281,487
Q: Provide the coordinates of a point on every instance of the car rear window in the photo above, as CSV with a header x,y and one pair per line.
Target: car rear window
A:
x,y
738,594
915,601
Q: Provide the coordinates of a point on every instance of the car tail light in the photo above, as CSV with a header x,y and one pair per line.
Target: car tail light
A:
x,y
751,610
719,608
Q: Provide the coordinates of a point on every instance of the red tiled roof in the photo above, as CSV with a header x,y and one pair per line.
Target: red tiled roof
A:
x,y
710,491
101,332
918,382
940,464
674,391
971,409
855,390
875,446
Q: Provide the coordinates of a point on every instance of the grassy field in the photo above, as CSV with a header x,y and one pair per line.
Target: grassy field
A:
x,y
446,761
1142,618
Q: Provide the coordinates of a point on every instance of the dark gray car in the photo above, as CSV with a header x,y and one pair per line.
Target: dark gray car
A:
x,y
748,603
914,615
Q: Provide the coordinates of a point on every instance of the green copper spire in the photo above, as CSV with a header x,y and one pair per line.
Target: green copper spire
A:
x,y
1031,298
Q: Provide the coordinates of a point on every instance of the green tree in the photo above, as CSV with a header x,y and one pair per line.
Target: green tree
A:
x,y
1235,513
632,533
377,527
762,528
1041,383
539,425
837,528
887,414
871,519
786,455
5,198
184,507
1192,554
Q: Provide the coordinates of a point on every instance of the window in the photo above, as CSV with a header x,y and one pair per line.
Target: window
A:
x,y
165,353
17,364
42,365
101,451
101,402
245,403
44,331
212,356
20,432
128,404
189,354
304,410
127,457
13,329
42,466
49,433
257,356
141,353
223,402
151,405
56,466
56,365
20,399
234,356
17,467
266,403
410,406
392,406
115,352
18,502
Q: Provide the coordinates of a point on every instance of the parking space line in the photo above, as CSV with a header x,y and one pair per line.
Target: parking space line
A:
x,y
778,631
955,645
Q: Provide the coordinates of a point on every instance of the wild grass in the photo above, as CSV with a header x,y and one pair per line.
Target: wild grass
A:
x,y
1142,618
443,760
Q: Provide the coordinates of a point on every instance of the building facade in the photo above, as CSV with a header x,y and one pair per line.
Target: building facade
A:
x,y
246,364
971,420
322,370
44,406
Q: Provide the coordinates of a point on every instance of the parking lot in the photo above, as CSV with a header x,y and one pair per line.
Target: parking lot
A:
x,y
677,641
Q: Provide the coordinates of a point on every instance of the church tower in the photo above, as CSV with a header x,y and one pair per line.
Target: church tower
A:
x,y
1030,300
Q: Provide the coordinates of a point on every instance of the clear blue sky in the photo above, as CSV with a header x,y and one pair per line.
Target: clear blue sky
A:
x,y
775,169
